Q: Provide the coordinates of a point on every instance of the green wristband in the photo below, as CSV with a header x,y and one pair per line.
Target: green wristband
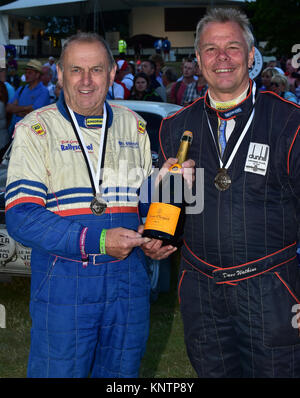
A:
x,y
102,241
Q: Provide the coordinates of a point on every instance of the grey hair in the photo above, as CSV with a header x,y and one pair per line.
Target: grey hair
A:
x,y
87,37
223,15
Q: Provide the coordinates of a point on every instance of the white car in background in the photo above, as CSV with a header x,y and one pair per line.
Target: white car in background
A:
x,y
15,258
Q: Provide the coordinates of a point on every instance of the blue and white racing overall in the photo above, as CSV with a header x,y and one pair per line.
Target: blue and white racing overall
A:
x,y
87,319
239,284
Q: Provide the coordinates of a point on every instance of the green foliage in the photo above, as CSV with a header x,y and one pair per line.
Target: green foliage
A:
x,y
277,22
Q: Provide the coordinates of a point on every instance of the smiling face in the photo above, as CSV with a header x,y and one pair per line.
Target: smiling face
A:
x,y
224,59
85,77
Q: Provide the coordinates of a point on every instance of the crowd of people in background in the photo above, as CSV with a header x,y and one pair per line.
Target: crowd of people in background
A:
x,y
148,79
152,80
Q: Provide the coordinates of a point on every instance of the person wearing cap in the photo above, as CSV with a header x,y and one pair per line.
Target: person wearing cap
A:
x,y
124,73
32,96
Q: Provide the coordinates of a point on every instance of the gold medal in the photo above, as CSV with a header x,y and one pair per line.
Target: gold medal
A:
x,y
222,180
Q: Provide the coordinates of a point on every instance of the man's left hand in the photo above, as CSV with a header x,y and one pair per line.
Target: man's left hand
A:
x,y
155,249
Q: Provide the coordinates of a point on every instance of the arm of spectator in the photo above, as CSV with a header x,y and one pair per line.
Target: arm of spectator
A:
x,y
18,109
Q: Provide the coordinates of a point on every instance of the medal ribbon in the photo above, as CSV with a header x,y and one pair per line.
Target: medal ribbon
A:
x,y
94,177
241,137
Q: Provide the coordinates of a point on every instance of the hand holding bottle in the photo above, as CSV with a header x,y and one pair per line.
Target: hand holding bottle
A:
x,y
154,248
166,214
187,169
120,241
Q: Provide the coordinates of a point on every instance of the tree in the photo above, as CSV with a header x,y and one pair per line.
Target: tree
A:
x,y
276,22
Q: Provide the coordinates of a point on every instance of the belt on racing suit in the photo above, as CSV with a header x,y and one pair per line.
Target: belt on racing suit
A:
x,y
243,271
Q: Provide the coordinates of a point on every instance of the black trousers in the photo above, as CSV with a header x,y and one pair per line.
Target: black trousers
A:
x,y
248,329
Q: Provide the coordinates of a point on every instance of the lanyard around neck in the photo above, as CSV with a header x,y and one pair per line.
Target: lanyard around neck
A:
x,y
241,137
95,177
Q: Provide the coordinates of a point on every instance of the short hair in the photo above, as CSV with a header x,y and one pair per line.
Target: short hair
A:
x,y
189,60
170,74
87,37
281,79
157,58
153,66
223,15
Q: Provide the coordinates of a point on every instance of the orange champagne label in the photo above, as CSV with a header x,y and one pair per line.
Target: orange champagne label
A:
x,y
162,217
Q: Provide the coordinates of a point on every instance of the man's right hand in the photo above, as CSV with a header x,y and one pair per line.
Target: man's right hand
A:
x,y
120,241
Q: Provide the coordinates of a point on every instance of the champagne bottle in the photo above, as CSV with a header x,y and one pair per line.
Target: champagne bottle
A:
x,y
166,213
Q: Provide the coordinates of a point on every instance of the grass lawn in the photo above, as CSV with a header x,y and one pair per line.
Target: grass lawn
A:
x,y
165,356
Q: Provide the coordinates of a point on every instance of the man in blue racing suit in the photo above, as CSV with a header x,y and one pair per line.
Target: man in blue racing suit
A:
x,y
72,196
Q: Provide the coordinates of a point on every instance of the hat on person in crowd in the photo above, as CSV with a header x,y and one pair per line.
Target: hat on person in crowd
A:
x,y
35,65
122,65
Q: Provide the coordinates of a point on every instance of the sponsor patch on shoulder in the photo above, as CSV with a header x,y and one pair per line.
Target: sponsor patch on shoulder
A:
x,y
141,127
38,129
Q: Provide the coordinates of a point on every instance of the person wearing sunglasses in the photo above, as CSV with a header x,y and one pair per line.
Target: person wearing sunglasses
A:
x,y
279,85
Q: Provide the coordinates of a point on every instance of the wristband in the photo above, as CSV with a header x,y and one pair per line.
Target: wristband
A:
x,y
102,241
84,256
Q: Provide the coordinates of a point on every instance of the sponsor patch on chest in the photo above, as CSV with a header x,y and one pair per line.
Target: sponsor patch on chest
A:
x,y
257,158
72,145
129,144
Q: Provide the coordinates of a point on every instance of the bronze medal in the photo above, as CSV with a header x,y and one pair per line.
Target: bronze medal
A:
x,y
222,180
98,205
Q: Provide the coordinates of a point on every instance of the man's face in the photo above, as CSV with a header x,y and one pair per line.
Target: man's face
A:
x,y
147,68
224,60
31,76
188,69
85,78
45,78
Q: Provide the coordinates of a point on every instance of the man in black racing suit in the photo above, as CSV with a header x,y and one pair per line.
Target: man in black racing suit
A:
x,y
239,277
